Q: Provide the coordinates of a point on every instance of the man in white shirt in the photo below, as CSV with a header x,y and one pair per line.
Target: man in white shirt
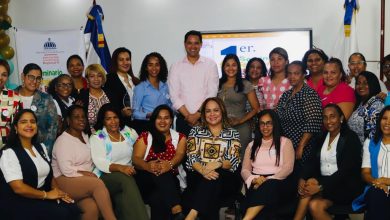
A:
x,y
191,81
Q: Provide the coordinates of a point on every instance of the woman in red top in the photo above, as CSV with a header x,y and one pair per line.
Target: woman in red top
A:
x,y
157,156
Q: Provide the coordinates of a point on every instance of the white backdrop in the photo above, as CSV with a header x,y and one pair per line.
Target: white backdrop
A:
x,y
144,26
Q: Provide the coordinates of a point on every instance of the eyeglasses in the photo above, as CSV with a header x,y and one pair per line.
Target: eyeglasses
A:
x,y
266,123
34,78
356,63
65,85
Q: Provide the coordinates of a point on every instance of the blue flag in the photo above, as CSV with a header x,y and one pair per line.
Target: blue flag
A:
x,y
97,40
350,7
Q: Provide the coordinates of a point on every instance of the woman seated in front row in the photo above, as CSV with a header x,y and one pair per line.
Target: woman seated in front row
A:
x,y
72,168
376,169
213,157
157,155
268,160
332,174
28,190
112,149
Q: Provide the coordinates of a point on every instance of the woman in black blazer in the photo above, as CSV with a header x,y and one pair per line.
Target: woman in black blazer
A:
x,y
332,174
121,82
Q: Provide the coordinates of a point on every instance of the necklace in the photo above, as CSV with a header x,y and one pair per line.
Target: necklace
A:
x,y
330,143
115,139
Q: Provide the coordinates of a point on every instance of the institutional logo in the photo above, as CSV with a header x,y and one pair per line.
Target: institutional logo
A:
x,y
49,45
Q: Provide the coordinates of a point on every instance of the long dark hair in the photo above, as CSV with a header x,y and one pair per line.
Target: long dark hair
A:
x,y
162,75
239,86
276,134
378,131
225,119
158,143
318,51
263,67
13,140
373,87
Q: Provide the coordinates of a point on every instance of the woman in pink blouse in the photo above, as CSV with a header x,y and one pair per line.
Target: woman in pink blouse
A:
x,y
268,160
72,168
336,90
274,85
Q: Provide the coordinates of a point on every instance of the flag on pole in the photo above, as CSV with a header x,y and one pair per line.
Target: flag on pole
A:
x,y
98,51
347,42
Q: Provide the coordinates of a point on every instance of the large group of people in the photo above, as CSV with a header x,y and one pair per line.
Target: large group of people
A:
x,y
181,140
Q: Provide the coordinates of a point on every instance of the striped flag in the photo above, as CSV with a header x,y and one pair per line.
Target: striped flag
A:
x,y
347,42
98,51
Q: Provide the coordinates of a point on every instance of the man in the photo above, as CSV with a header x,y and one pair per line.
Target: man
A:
x,y
191,81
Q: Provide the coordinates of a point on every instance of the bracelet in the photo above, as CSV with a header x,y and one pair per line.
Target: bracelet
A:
x,y
170,163
44,195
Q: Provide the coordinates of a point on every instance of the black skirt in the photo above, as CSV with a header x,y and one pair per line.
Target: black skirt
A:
x,y
267,194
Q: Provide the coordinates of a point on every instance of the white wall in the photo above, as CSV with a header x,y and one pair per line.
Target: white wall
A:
x,y
144,26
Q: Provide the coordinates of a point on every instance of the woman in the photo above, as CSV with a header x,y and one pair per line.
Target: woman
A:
x,y
112,149
151,92
213,157
28,190
332,175
368,106
72,168
157,156
274,85
121,82
386,70
61,88
235,92
256,69
93,98
40,103
336,90
10,103
315,59
75,66
268,160
300,110
375,170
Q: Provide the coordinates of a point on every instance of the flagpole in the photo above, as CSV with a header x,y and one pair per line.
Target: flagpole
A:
x,y
382,46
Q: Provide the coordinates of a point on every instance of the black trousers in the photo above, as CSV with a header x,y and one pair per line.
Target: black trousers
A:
x,y
205,196
182,126
378,205
160,192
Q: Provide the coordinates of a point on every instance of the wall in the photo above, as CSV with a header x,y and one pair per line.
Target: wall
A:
x,y
159,25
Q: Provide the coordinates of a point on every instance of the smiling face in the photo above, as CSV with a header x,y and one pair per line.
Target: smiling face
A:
x,y
32,80
163,121
332,75
231,68
213,114
192,46
295,75
111,122
385,124
266,126
77,120
124,62
3,76
27,126
356,65
332,120
95,79
153,67
278,63
75,67
255,70
362,87
315,64
64,87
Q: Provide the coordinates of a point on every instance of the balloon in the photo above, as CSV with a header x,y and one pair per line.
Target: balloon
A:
x,y
3,2
4,40
11,67
7,52
3,9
